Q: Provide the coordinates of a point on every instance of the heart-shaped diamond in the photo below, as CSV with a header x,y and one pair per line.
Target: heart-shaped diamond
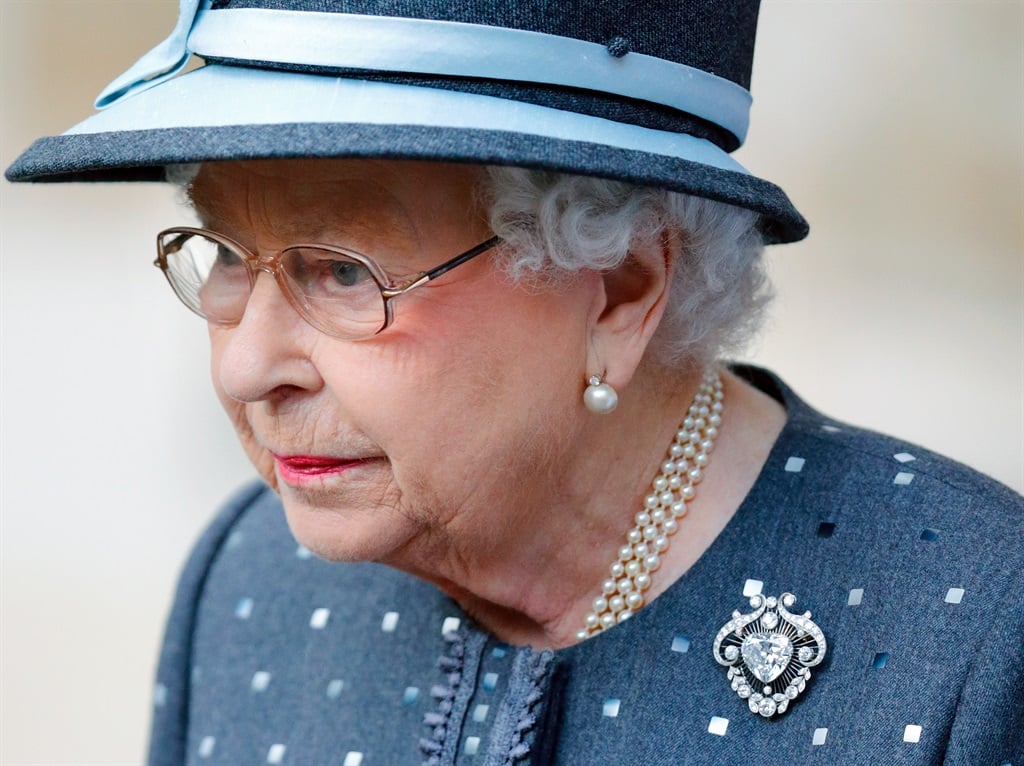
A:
x,y
767,654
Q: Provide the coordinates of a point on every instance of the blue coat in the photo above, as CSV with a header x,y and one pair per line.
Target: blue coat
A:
x,y
912,566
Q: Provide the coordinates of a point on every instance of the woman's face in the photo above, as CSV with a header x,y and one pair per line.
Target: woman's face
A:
x,y
452,424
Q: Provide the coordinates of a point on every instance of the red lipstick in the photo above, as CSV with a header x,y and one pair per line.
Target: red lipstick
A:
x,y
302,468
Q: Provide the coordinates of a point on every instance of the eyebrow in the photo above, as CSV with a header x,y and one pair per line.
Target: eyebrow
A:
x,y
344,232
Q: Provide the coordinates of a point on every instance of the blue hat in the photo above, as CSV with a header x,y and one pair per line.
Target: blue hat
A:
x,y
654,93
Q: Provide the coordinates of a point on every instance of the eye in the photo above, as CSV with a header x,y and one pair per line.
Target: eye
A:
x,y
227,257
349,273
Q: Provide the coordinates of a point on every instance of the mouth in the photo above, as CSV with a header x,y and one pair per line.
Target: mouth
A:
x,y
299,469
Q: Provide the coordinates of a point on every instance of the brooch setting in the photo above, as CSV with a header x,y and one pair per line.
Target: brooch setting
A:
x,y
769,652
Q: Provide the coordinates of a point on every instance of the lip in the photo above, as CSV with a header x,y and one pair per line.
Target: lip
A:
x,y
299,469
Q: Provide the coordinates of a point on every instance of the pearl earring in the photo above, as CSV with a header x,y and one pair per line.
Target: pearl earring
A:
x,y
599,397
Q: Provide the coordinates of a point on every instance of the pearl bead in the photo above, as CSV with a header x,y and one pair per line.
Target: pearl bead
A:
x,y
700,459
715,419
650,533
651,562
679,508
661,543
641,550
600,399
616,603
687,493
625,553
660,484
683,434
643,581
651,501
591,621
658,516
633,568
695,475
700,423
642,519
624,615
608,586
617,570
634,536
689,451
634,600
668,467
670,527
675,482
607,620
675,450
600,604
623,586
582,635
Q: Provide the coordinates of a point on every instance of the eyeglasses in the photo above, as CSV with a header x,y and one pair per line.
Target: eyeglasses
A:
x,y
340,292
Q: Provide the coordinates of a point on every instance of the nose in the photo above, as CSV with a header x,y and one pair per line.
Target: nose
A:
x,y
267,354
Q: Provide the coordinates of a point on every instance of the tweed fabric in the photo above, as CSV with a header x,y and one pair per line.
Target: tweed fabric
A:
x,y
912,566
109,157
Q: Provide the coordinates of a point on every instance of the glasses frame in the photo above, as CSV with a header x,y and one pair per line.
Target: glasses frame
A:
x,y
271,264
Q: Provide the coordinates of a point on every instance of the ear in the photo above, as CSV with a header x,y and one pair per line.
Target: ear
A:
x,y
635,295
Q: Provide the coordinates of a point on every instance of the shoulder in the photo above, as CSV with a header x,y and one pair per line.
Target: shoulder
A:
x,y
914,564
870,474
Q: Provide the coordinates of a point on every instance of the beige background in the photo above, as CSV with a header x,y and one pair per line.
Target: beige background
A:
x,y
895,126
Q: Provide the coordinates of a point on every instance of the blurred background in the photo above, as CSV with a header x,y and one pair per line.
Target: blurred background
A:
x,y
896,127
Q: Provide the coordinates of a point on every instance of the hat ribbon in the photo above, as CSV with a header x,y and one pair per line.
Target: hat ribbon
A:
x,y
161,63
439,48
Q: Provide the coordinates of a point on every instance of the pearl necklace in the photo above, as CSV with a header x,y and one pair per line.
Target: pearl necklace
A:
x,y
622,594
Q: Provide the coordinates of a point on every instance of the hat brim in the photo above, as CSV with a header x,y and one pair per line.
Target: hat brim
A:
x,y
231,113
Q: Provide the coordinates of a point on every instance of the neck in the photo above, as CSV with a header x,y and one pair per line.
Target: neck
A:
x,y
533,582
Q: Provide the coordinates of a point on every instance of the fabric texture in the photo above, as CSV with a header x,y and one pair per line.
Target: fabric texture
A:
x,y
912,565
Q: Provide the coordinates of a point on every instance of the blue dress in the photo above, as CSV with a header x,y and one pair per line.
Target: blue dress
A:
x,y
912,566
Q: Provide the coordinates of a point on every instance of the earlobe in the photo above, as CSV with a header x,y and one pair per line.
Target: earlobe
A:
x,y
635,296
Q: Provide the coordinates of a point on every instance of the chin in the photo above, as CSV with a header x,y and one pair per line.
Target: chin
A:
x,y
344,535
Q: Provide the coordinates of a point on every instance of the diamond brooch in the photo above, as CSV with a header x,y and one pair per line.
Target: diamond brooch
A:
x,y
769,652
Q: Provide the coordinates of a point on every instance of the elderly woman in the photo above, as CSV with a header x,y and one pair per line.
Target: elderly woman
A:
x,y
469,276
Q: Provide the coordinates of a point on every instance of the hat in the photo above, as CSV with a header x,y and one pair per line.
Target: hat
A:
x,y
654,93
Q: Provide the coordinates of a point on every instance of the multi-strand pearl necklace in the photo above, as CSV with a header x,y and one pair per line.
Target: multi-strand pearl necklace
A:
x,y
622,594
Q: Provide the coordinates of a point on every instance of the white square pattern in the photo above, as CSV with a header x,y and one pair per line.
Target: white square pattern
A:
x,y
718,726
795,464
954,595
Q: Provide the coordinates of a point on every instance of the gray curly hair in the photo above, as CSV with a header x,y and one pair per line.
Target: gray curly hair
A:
x,y
558,224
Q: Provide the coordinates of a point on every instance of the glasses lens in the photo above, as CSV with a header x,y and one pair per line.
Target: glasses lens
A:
x,y
339,292
208,276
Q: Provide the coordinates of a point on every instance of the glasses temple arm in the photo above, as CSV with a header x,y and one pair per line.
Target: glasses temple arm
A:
x,y
444,268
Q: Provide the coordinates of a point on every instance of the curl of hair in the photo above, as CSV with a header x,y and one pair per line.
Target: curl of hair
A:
x,y
559,224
